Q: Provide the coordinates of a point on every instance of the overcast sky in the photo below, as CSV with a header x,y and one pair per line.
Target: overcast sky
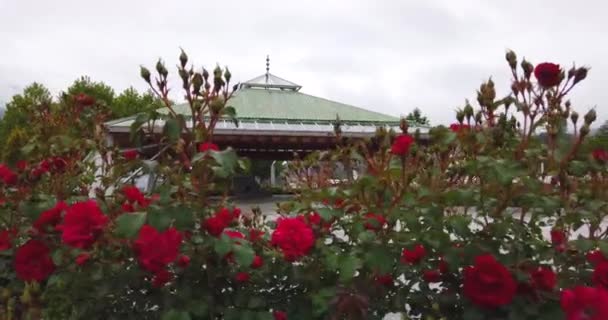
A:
x,y
387,56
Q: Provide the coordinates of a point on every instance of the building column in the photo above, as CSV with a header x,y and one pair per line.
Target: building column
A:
x,y
273,178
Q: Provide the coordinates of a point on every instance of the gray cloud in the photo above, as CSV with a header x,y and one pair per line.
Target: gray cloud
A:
x,y
389,56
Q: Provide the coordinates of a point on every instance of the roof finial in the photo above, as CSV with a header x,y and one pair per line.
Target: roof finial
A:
x,y
267,67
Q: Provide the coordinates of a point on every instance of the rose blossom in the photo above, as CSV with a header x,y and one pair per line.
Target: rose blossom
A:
x,y
488,283
547,74
33,261
402,144
82,224
294,237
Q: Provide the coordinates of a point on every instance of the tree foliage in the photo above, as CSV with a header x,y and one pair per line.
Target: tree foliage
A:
x,y
18,115
131,102
100,91
416,117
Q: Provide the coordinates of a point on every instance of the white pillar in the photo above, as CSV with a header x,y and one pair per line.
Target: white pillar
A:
x,y
273,178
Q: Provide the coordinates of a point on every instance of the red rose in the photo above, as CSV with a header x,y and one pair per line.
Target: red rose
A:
x,y
457,127
431,276
384,280
600,155
374,222
413,256
255,235
33,261
339,203
547,74
59,164
127,207
6,238
558,239
45,165
402,144
161,278
585,303
21,165
236,213
242,277
595,257
205,146
36,173
155,250
82,224
443,267
84,100
130,154
234,235
279,315
214,225
600,275
50,217
220,220
133,194
258,262
7,175
82,258
488,283
543,278
314,218
228,216
183,261
294,237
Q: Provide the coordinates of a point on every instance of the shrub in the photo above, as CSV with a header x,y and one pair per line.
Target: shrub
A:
x,y
484,220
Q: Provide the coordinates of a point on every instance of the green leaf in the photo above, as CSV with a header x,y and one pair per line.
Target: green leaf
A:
x,y
603,245
176,315
184,218
320,301
28,148
331,261
256,302
128,224
165,193
198,309
244,165
230,113
34,208
379,259
584,245
173,129
327,213
159,219
137,123
366,236
348,267
264,315
460,224
471,313
223,245
243,255
57,257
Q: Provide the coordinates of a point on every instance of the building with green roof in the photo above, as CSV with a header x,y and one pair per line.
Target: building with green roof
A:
x,y
276,120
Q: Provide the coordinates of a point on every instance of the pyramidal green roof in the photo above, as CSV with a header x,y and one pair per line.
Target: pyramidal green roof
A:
x,y
289,105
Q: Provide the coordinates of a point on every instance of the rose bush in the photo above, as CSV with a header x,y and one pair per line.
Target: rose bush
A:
x,y
486,219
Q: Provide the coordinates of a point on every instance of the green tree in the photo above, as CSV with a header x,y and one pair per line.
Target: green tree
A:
x,y
131,102
417,117
599,140
17,116
100,91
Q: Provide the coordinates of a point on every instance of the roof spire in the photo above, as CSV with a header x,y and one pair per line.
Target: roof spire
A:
x,y
267,67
